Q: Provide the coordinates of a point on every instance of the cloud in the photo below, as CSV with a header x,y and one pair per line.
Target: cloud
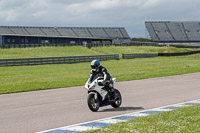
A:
x,y
130,14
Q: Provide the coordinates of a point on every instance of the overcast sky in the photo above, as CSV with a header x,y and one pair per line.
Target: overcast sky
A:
x,y
130,14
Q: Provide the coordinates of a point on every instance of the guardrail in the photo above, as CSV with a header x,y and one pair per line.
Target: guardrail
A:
x,y
79,59
56,60
179,54
144,55
131,56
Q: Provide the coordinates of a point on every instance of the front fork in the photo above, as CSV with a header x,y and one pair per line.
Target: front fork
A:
x,y
95,95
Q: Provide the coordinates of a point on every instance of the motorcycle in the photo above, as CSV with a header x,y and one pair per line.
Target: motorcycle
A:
x,y
99,97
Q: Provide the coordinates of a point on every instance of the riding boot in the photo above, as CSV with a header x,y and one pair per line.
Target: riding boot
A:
x,y
111,93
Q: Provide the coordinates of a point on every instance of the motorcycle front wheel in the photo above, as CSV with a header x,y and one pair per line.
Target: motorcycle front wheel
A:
x,y
93,103
118,99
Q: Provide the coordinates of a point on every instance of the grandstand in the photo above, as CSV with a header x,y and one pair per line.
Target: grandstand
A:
x,y
55,35
174,32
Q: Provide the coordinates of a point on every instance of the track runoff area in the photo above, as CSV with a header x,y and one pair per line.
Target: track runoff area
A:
x,y
97,124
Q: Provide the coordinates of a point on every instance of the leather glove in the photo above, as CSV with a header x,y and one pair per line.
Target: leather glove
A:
x,y
103,82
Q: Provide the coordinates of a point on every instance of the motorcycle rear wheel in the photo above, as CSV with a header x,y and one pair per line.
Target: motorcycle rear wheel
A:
x,y
93,103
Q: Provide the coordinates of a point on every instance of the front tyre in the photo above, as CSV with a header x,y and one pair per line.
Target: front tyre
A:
x,y
117,99
93,103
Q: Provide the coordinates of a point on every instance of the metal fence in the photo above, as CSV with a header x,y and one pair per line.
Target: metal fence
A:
x,y
182,45
56,60
131,56
89,45
134,43
5,46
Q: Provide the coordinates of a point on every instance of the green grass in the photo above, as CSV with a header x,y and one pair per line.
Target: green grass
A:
x,y
75,51
183,120
45,52
26,78
140,49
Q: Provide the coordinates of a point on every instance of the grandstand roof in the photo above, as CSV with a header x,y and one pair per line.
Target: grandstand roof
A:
x,y
66,32
167,31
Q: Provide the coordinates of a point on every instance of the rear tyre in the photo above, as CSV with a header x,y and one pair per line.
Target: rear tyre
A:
x,y
117,99
93,103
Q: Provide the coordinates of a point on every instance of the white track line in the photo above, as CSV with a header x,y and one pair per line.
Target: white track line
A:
x,y
120,118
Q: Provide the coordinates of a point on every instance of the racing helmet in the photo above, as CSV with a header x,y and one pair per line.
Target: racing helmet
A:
x,y
95,64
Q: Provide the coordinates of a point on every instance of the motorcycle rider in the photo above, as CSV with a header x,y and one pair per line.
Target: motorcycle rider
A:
x,y
99,71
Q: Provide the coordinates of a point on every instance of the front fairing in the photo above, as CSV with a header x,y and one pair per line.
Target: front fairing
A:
x,y
95,87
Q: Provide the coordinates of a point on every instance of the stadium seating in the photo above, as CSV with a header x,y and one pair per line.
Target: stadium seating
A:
x,y
193,30
166,31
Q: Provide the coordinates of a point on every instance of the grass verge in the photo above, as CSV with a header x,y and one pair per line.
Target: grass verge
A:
x,y
28,78
76,51
183,120
45,52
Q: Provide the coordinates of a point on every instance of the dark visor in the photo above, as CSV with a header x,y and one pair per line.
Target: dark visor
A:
x,y
93,67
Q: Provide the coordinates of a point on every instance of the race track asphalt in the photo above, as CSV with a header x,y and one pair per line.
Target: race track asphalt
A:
x,y
35,111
